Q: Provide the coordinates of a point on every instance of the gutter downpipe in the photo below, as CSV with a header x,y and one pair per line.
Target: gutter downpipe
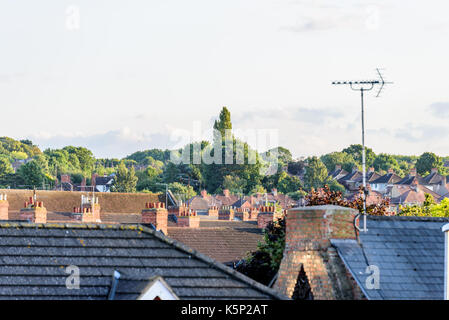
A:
x,y
445,229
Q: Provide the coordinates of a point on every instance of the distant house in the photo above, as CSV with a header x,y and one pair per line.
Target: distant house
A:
x,y
380,184
18,163
338,173
436,181
396,258
102,184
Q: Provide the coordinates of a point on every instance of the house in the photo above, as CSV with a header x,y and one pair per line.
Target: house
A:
x,y
325,257
18,163
48,261
411,179
226,241
102,184
350,181
380,184
414,194
436,182
338,173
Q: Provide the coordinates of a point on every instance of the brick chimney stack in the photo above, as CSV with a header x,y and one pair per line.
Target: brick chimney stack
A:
x,y
338,167
4,207
226,213
34,211
434,170
308,248
204,194
390,170
65,178
226,193
156,214
413,172
189,219
266,215
371,169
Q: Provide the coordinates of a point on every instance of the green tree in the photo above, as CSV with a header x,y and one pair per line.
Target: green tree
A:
x,y
355,150
32,174
125,179
344,159
5,167
316,173
234,184
384,161
182,191
427,161
287,183
224,121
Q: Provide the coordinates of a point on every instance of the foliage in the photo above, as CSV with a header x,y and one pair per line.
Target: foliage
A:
x,y
316,173
234,184
355,150
181,190
262,264
287,183
428,209
326,196
344,159
384,161
32,174
125,179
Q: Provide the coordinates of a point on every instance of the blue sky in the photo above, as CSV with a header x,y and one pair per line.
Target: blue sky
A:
x,y
121,76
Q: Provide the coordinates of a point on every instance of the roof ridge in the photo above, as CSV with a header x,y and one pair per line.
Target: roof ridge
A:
x,y
409,218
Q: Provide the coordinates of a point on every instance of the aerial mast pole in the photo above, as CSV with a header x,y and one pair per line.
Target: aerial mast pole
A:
x,y
362,86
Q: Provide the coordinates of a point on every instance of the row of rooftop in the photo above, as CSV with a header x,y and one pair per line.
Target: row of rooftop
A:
x,y
125,257
408,190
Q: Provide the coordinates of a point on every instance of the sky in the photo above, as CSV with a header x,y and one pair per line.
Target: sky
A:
x,y
122,76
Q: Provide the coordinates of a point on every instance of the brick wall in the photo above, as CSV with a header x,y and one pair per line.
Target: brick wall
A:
x,y
263,219
308,234
4,207
226,214
156,214
213,211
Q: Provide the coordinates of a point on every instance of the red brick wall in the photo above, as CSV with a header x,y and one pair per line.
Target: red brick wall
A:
x,y
213,212
35,215
226,214
4,206
189,221
263,219
157,216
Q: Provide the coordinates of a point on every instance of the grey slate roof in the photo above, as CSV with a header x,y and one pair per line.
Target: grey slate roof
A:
x,y
409,180
387,178
409,252
34,257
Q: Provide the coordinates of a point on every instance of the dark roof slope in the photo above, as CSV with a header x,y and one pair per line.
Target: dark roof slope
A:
x,y
34,257
224,244
409,252
434,178
388,178
410,179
